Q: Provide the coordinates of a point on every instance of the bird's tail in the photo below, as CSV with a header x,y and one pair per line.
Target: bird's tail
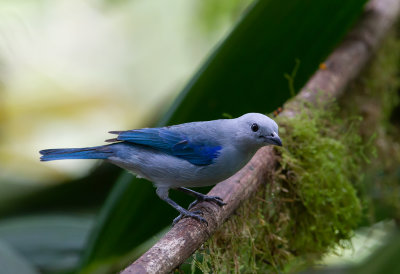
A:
x,y
99,152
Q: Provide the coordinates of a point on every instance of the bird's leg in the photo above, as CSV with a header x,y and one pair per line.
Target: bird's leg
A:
x,y
201,197
163,194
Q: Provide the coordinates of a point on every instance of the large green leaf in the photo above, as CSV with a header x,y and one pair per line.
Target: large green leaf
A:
x,y
384,259
12,262
46,243
244,74
81,194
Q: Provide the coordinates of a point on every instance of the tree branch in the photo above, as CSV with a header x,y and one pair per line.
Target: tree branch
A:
x,y
342,66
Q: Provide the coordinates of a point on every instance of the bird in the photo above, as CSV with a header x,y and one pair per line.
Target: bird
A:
x,y
183,156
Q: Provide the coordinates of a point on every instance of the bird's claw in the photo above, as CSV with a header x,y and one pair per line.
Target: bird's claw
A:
x,y
195,215
214,199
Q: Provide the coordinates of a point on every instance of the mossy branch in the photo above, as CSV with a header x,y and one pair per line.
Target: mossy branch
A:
x,y
342,66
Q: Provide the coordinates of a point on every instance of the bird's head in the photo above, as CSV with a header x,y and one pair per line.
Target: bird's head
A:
x,y
257,130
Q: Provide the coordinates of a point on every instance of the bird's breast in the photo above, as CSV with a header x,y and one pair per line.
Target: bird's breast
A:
x,y
232,160
170,171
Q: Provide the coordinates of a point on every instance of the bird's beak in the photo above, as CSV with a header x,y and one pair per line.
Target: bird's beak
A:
x,y
277,141
274,140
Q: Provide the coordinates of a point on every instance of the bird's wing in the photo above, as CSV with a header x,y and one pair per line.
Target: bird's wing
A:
x,y
196,151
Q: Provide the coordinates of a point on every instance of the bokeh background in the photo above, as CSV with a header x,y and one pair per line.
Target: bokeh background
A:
x,y
72,70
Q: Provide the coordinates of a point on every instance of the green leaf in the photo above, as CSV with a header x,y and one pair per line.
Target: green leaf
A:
x,y
47,242
384,260
12,262
246,73
88,193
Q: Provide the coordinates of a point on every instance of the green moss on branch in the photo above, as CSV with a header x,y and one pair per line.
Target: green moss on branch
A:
x,y
316,197
310,205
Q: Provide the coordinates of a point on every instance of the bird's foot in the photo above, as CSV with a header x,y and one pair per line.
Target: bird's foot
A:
x,y
195,215
214,199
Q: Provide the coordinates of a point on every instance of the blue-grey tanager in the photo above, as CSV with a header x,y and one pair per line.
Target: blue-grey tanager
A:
x,y
187,155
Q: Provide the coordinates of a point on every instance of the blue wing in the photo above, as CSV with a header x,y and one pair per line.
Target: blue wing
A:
x,y
173,143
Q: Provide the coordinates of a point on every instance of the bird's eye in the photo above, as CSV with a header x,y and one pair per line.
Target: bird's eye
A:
x,y
272,134
254,127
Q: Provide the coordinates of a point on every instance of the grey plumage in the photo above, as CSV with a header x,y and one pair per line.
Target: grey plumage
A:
x,y
187,155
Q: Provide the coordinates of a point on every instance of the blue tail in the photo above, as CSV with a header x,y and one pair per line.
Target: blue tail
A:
x,y
100,152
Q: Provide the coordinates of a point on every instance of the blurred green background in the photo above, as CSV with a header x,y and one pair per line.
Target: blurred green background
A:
x,y
72,70
93,66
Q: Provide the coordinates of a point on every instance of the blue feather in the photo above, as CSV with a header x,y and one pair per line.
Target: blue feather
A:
x,y
173,143
100,152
